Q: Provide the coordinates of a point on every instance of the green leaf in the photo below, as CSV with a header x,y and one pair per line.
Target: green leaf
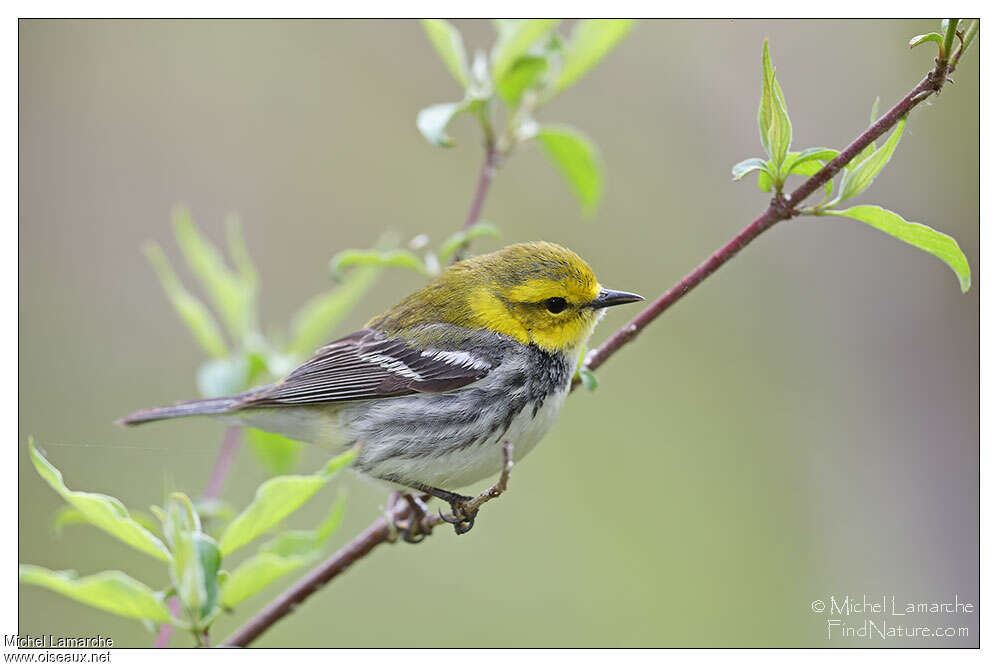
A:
x,y
810,168
576,158
277,454
232,297
764,180
239,255
196,559
255,573
589,379
928,37
285,553
860,178
515,41
463,237
104,512
823,155
432,122
69,516
591,41
522,75
209,509
112,591
366,258
196,316
867,150
447,42
312,325
223,376
921,236
774,122
276,499
748,165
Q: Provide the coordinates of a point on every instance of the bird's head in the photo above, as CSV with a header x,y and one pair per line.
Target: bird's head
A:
x,y
537,293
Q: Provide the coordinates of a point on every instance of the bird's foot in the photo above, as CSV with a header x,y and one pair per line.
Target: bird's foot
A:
x,y
417,524
462,515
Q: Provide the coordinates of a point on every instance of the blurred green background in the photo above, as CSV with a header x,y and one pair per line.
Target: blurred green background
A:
x,y
804,425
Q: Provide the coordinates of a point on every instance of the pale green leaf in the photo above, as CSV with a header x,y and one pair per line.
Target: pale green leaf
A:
x,y
432,122
111,591
577,160
589,379
276,453
810,168
223,376
446,40
239,254
928,37
462,237
196,558
765,181
748,165
285,553
860,178
522,75
808,155
255,573
921,236
233,299
774,122
867,150
196,316
365,258
104,512
591,41
515,41
314,322
69,516
291,543
276,499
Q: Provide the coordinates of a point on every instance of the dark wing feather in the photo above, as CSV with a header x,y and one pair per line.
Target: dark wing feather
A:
x,y
367,365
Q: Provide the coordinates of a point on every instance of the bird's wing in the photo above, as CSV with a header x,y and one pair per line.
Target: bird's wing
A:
x,y
368,365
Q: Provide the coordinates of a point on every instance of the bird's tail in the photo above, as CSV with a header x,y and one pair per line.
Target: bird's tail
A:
x,y
213,406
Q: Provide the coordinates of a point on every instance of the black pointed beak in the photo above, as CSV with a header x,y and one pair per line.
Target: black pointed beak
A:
x,y
607,298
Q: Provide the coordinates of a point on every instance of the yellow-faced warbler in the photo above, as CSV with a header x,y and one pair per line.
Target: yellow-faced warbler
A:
x,y
482,355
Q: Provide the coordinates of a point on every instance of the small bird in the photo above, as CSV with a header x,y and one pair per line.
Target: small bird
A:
x,y
483,355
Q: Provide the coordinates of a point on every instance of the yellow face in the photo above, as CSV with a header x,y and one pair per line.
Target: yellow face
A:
x,y
552,314
537,293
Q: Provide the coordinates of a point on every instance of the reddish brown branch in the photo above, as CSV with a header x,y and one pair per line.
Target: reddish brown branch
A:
x,y
778,210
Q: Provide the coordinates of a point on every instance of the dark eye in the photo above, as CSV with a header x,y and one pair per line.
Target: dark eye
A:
x,y
555,305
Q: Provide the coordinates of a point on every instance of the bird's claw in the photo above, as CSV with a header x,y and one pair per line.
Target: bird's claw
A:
x,y
414,527
461,517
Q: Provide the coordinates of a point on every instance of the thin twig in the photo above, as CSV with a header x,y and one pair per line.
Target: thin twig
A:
x,y
778,210
496,490
223,462
489,168
220,470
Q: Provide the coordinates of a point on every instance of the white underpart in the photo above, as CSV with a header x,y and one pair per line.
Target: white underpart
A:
x,y
456,470
393,365
458,358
